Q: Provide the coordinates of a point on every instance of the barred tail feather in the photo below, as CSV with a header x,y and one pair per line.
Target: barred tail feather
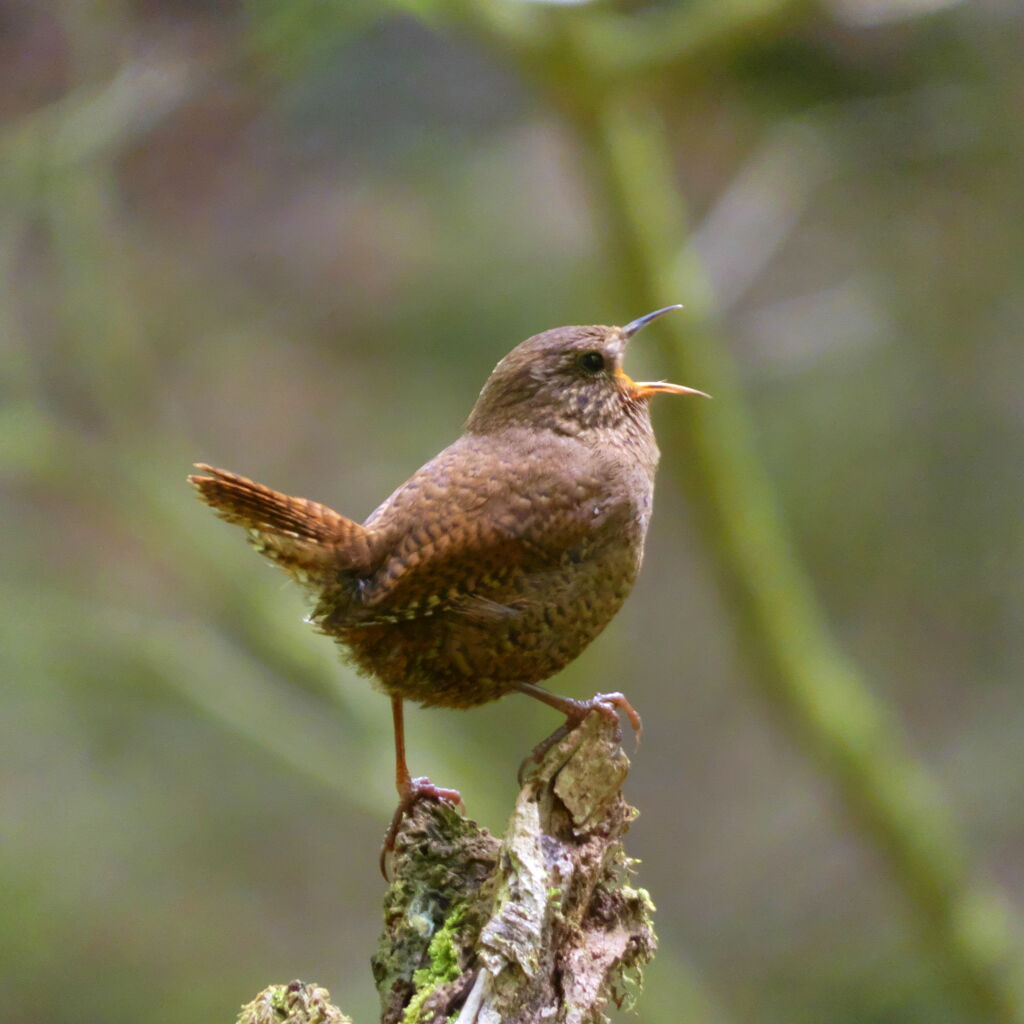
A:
x,y
311,542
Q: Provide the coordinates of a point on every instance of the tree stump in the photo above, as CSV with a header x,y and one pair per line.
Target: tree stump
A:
x,y
543,926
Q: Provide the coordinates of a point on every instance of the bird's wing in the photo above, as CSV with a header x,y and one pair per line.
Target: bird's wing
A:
x,y
481,529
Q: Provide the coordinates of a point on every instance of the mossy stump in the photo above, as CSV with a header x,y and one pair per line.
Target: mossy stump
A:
x,y
543,926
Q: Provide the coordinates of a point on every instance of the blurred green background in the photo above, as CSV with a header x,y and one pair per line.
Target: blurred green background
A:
x,y
292,239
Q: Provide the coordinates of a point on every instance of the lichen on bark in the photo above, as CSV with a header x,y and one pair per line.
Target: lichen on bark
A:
x,y
294,1003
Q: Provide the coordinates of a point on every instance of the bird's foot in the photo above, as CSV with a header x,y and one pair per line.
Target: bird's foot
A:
x,y
611,704
608,704
417,790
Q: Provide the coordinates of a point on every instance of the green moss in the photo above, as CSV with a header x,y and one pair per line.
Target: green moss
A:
x,y
294,1003
443,952
443,966
643,896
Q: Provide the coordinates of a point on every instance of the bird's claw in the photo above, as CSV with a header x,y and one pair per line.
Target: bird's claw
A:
x,y
608,704
418,789
611,704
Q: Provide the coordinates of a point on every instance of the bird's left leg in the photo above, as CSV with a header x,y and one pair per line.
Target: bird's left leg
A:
x,y
410,790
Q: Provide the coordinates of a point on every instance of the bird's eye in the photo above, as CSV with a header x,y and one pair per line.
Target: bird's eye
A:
x,y
592,362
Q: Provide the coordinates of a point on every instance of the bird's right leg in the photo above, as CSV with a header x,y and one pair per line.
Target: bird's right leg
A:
x,y
575,711
410,790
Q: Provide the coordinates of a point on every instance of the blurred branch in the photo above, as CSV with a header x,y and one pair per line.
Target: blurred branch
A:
x,y
229,686
609,44
57,164
638,45
248,701
508,26
755,215
233,652
247,670
90,122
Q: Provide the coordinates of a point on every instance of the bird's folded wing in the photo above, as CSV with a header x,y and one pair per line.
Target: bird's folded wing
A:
x,y
488,564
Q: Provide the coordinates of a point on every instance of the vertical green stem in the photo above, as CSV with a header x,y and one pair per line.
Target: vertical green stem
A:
x,y
795,658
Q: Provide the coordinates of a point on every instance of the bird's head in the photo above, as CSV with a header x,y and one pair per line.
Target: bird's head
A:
x,y
568,379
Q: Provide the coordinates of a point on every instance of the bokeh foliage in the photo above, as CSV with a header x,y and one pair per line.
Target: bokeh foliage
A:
x,y
292,239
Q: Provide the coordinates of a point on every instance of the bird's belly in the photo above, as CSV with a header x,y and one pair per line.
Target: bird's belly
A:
x,y
471,655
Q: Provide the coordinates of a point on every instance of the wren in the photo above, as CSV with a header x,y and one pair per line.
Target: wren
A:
x,y
501,559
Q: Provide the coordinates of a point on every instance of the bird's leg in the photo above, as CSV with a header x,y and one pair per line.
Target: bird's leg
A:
x,y
410,790
575,711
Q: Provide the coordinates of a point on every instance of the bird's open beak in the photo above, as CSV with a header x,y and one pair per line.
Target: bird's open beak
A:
x,y
644,389
642,321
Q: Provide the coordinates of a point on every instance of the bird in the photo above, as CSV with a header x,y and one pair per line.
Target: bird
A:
x,y
497,562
